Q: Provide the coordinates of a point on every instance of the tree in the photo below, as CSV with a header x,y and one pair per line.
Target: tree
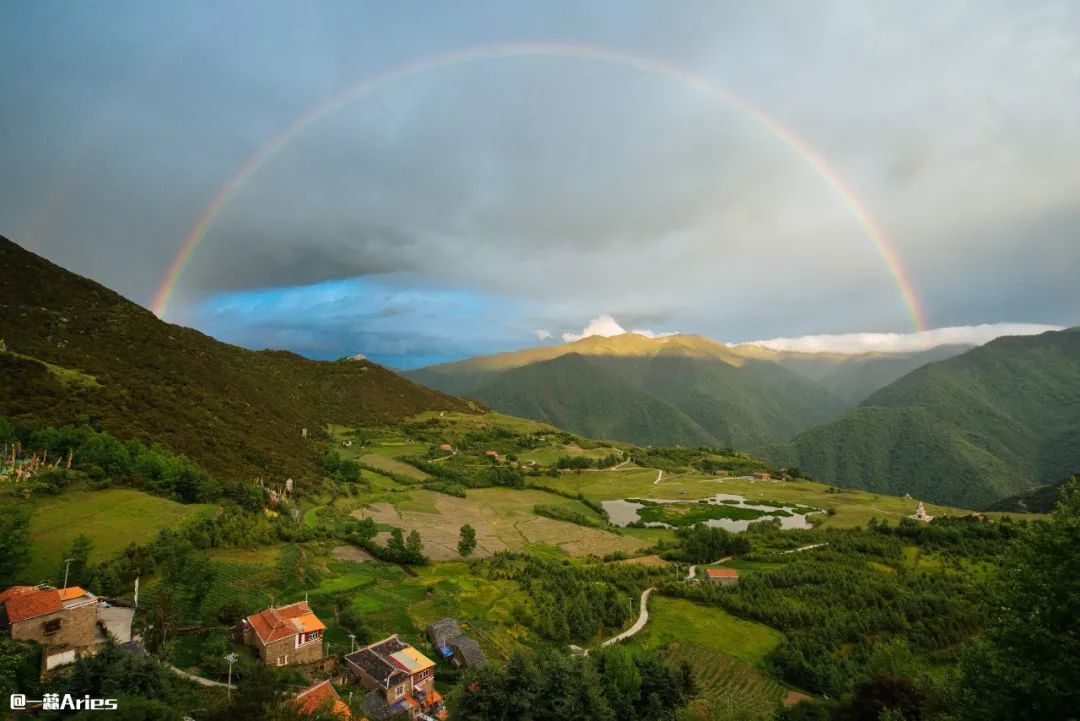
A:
x,y
395,545
467,544
1027,664
622,679
14,542
79,553
414,546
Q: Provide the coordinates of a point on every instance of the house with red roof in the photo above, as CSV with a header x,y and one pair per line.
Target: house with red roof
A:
x,y
321,697
62,620
399,679
285,635
722,576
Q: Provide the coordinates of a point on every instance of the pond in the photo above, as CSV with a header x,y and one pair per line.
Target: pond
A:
x,y
722,510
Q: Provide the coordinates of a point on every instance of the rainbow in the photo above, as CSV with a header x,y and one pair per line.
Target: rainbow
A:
x,y
488,52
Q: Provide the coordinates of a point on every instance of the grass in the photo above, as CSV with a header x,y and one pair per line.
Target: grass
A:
x,y
112,518
675,620
678,514
851,507
549,455
387,463
726,654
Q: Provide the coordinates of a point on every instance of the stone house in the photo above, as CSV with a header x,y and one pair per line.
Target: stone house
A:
x,y
286,635
446,636
63,621
399,679
761,475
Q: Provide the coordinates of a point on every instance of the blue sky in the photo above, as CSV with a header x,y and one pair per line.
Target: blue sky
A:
x,y
466,208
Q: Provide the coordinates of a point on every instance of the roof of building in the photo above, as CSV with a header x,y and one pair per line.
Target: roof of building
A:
x,y
321,696
384,673
375,706
389,645
26,604
274,624
411,660
5,595
443,630
66,594
468,650
721,573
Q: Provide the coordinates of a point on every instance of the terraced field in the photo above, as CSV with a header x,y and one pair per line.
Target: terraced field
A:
x,y
730,689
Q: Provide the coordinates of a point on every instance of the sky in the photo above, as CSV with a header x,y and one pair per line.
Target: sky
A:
x,y
697,167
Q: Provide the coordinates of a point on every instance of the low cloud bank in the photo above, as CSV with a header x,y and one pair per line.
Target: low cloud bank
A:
x,y
902,342
606,326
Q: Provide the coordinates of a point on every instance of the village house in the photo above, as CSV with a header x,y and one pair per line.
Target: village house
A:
x,y
63,621
399,679
761,475
722,576
321,697
492,454
286,635
460,650
446,447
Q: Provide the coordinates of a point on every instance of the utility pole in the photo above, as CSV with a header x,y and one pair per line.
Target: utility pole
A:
x,y
231,658
67,567
352,642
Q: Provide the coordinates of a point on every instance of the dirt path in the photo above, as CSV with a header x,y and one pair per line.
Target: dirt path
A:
x,y
659,477
198,679
806,548
639,624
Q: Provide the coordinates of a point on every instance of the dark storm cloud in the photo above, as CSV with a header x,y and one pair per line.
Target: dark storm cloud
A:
x,y
575,187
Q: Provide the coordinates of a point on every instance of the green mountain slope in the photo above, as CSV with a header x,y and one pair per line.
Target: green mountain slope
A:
x,y
969,430
721,396
578,394
852,378
78,352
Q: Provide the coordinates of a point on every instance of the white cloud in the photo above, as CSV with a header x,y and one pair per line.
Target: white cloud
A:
x,y
542,334
902,342
606,326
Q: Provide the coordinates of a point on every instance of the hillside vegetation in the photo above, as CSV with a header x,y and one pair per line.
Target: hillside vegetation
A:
x,y
80,353
970,430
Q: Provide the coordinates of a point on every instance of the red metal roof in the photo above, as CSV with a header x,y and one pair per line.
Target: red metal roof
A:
x,y
721,573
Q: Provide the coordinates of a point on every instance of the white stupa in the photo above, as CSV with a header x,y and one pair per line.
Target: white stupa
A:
x,y
921,515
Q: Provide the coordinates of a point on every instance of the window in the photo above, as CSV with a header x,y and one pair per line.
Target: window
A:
x,y
52,626
282,660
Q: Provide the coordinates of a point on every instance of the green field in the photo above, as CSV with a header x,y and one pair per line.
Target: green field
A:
x,y
112,518
549,455
849,508
726,654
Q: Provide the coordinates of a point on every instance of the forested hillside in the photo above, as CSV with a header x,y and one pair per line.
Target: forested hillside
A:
x,y
675,389
80,353
969,430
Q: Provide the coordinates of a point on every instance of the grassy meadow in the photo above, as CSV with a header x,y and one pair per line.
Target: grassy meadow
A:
x,y
112,518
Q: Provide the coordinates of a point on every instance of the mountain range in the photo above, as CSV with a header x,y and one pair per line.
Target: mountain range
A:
x,y
76,352
969,430
676,389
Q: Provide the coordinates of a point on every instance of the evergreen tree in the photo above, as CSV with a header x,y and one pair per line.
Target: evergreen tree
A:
x,y
14,542
467,544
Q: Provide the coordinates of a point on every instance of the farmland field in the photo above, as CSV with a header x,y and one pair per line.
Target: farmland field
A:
x,y
112,518
725,653
503,519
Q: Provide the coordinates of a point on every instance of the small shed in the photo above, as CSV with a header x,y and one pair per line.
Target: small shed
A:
x,y
722,576
467,652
